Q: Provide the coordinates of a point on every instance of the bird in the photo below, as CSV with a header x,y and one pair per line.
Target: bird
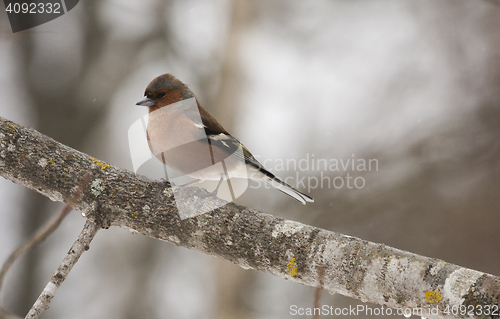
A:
x,y
185,137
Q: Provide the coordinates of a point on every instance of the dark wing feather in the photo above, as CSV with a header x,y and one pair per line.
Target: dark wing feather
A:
x,y
219,137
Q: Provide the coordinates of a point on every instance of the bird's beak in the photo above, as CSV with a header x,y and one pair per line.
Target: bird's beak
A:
x,y
146,101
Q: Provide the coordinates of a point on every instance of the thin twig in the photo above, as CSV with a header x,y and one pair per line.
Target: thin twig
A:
x,y
81,245
34,240
44,231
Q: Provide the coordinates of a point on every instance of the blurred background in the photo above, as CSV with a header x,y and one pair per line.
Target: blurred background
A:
x,y
412,86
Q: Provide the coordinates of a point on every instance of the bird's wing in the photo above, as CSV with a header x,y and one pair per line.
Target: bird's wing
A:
x,y
232,146
220,138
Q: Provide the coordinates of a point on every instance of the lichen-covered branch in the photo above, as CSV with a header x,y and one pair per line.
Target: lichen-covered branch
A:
x,y
287,249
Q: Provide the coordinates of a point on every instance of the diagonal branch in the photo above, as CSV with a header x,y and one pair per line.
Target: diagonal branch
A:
x,y
37,238
287,249
79,247
48,228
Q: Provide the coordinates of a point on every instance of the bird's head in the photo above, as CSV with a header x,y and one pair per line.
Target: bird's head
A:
x,y
164,90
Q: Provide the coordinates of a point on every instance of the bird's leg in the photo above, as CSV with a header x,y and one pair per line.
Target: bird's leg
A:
x,y
196,181
218,186
213,193
216,190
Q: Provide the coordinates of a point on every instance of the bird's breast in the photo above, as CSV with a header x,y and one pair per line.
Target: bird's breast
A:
x,y
178,142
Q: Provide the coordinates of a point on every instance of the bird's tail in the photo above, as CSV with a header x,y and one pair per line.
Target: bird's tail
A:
x,y
262,174
289,190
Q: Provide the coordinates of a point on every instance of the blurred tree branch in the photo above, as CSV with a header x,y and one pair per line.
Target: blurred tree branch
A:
x,y
5,315
251,239
38,237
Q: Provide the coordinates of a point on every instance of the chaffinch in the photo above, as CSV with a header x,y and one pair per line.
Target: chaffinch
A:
x,y
185,137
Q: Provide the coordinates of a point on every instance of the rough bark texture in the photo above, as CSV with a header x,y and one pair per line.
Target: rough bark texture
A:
x,y
287,249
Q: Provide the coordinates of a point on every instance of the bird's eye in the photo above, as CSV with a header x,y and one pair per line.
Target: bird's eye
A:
x,y
161,94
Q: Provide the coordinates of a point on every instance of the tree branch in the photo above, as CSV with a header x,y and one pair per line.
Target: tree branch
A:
x,y
48,228
287,249
37,238
79,247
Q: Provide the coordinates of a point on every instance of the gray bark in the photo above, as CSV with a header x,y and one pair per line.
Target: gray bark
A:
x,y
249,238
